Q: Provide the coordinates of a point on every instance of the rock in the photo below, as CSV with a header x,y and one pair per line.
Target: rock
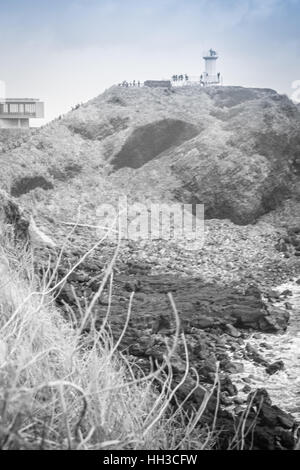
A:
x,y
232,331
129,287
257,336
298,282
267,438
239,400
253,354
225,400
254,291
277,321
275,367
66,294
160,323
260,397
285,419
14,219
227,385
273,294
286,293
79,277
205,322
38,237
281,246
295,229
266,345
209,366
295,241
234,367
22,225
273,416
247,380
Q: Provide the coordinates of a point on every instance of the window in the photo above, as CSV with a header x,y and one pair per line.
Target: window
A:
x,y
13,108
4,108
21,108
30,108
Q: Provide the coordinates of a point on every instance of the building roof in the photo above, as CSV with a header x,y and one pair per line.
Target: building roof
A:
x,y
17,100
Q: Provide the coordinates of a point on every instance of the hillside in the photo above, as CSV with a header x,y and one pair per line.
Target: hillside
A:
x,y
234,149
13,138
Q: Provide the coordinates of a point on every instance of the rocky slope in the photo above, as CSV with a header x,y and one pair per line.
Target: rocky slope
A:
x,y
234,149
13,220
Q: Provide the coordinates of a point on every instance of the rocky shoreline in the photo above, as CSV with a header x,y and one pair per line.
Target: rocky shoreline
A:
x,y
217,314
216,322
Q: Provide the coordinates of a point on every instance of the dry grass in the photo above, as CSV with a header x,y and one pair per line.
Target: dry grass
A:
x,y
60,389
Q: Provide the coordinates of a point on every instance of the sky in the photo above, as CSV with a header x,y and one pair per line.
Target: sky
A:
x,y
68,51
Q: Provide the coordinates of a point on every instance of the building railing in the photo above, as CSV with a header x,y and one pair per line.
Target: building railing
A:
x,y
204,80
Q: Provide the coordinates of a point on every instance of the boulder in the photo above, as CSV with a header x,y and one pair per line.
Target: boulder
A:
x,y
275,367
13,219
20,225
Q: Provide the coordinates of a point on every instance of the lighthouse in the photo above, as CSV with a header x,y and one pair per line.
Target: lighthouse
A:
x,y
210,76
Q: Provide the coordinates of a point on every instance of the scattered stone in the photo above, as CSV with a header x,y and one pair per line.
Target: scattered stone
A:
x,y
295,229
273,294
38,237
275,367
228,386
254,355
259,397
257,336
266,346
254,291
13,219
277,321
234,367
232,331
281,246
286,293
239,400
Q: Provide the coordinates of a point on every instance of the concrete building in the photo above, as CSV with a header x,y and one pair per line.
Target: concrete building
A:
x,y
16,112
210,76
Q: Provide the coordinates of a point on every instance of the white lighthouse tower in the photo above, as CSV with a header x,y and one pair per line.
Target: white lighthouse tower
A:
x,y
210,76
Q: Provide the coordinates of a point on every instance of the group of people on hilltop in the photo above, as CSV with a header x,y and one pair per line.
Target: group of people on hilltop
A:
x,y
180,78
128,84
